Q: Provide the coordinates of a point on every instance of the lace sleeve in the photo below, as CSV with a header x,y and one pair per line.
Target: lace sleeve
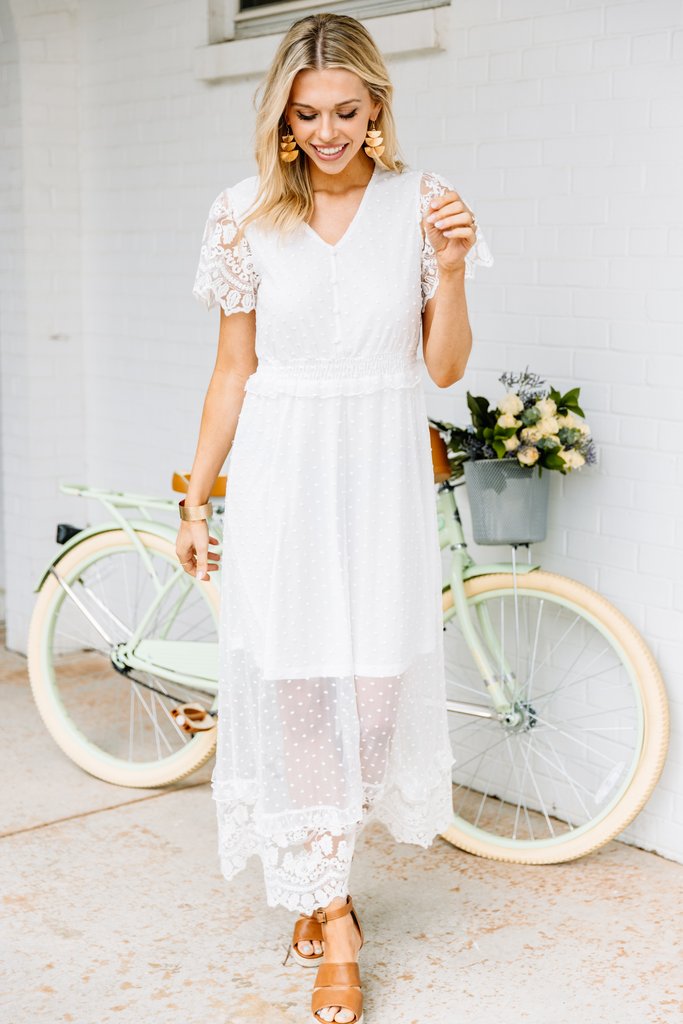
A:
x,y
226,272
433,185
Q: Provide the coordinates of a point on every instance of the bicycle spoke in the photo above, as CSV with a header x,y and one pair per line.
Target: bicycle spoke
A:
x,y
142,704
489,749
579,679
477,691
530,826
565,774
525,753
474,720
534,651
574,739
559,641
592,714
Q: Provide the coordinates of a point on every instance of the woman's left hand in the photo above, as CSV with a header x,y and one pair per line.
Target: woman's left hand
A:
x,y
450,230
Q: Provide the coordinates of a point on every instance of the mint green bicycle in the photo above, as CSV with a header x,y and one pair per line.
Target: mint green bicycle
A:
x,y
557,711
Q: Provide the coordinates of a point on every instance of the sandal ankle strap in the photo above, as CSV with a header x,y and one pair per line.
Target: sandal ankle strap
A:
x,y
322,916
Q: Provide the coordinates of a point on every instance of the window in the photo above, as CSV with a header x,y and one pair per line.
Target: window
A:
x,y
243,34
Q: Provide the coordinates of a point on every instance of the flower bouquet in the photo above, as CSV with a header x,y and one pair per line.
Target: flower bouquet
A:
x,y
532,424
503,452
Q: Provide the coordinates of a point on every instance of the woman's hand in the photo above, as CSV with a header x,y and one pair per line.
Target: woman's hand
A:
x,y
192,549
450,230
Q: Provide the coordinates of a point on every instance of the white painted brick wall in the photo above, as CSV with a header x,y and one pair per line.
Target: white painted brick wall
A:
x,y
560,122
589,139
43,422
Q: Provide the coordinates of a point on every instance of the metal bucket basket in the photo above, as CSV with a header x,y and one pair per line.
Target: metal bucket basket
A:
x,y
508,501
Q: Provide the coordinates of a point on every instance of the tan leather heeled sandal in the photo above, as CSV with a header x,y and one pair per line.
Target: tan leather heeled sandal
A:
x,y
306,929
338,984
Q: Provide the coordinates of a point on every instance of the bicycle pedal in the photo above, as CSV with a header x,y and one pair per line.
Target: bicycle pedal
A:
x,y
193,718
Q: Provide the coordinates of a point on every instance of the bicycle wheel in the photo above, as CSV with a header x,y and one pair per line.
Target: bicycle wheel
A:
x,y
110,723
585,743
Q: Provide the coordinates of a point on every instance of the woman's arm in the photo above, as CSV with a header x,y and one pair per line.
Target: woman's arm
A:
x,y
446,331
235,361
448,235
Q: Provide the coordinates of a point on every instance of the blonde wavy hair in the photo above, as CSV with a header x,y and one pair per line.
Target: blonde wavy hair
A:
x,y
317,41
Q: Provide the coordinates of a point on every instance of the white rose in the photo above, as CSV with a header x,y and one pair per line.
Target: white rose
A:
x,y
580,424
511,443
511,403
527,456
508,420
574,422
547,425
546,407
572,458
531,434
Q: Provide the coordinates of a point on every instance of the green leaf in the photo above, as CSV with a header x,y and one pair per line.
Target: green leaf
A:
x,y
570,402
498,447
571,396
553,461
479,410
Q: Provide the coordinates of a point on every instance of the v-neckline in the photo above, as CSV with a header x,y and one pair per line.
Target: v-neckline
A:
x,y
354,220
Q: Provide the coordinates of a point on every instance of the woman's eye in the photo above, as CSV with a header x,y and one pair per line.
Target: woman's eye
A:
x,y
309,117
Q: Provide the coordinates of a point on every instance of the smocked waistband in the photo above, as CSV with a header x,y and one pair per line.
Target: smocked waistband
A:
x,y
343,375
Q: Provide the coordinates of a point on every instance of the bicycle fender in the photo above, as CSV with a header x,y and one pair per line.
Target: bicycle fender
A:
x,y
138,525
486,570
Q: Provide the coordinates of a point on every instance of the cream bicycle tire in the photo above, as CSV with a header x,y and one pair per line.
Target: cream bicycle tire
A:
x,y
656,715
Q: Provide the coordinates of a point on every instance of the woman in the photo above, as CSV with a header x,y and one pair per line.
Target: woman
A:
x,y
326,267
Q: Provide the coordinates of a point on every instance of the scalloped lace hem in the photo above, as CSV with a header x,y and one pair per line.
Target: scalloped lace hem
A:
x,y
222,294
307,855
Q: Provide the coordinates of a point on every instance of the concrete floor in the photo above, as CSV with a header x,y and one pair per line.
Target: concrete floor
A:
x,y
115,911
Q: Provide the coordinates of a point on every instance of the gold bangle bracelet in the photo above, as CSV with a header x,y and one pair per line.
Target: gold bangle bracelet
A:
x,y
192,513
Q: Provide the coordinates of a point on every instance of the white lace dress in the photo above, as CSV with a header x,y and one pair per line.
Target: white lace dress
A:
x,y
331,688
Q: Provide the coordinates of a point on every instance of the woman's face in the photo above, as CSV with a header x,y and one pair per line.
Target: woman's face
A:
x,y
330,110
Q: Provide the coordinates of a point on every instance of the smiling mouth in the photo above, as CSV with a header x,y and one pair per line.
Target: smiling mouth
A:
x,y
329,150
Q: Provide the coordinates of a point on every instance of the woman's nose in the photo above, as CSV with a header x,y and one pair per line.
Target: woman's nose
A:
x,y
327,129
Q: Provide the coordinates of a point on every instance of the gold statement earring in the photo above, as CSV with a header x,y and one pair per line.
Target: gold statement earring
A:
x,y
373,142
288,148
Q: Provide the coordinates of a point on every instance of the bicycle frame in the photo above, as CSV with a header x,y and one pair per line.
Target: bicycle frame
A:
x,y
462,568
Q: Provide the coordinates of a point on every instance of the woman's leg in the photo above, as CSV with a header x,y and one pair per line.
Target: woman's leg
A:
x,y
377,700
316,767
311,784
316,946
